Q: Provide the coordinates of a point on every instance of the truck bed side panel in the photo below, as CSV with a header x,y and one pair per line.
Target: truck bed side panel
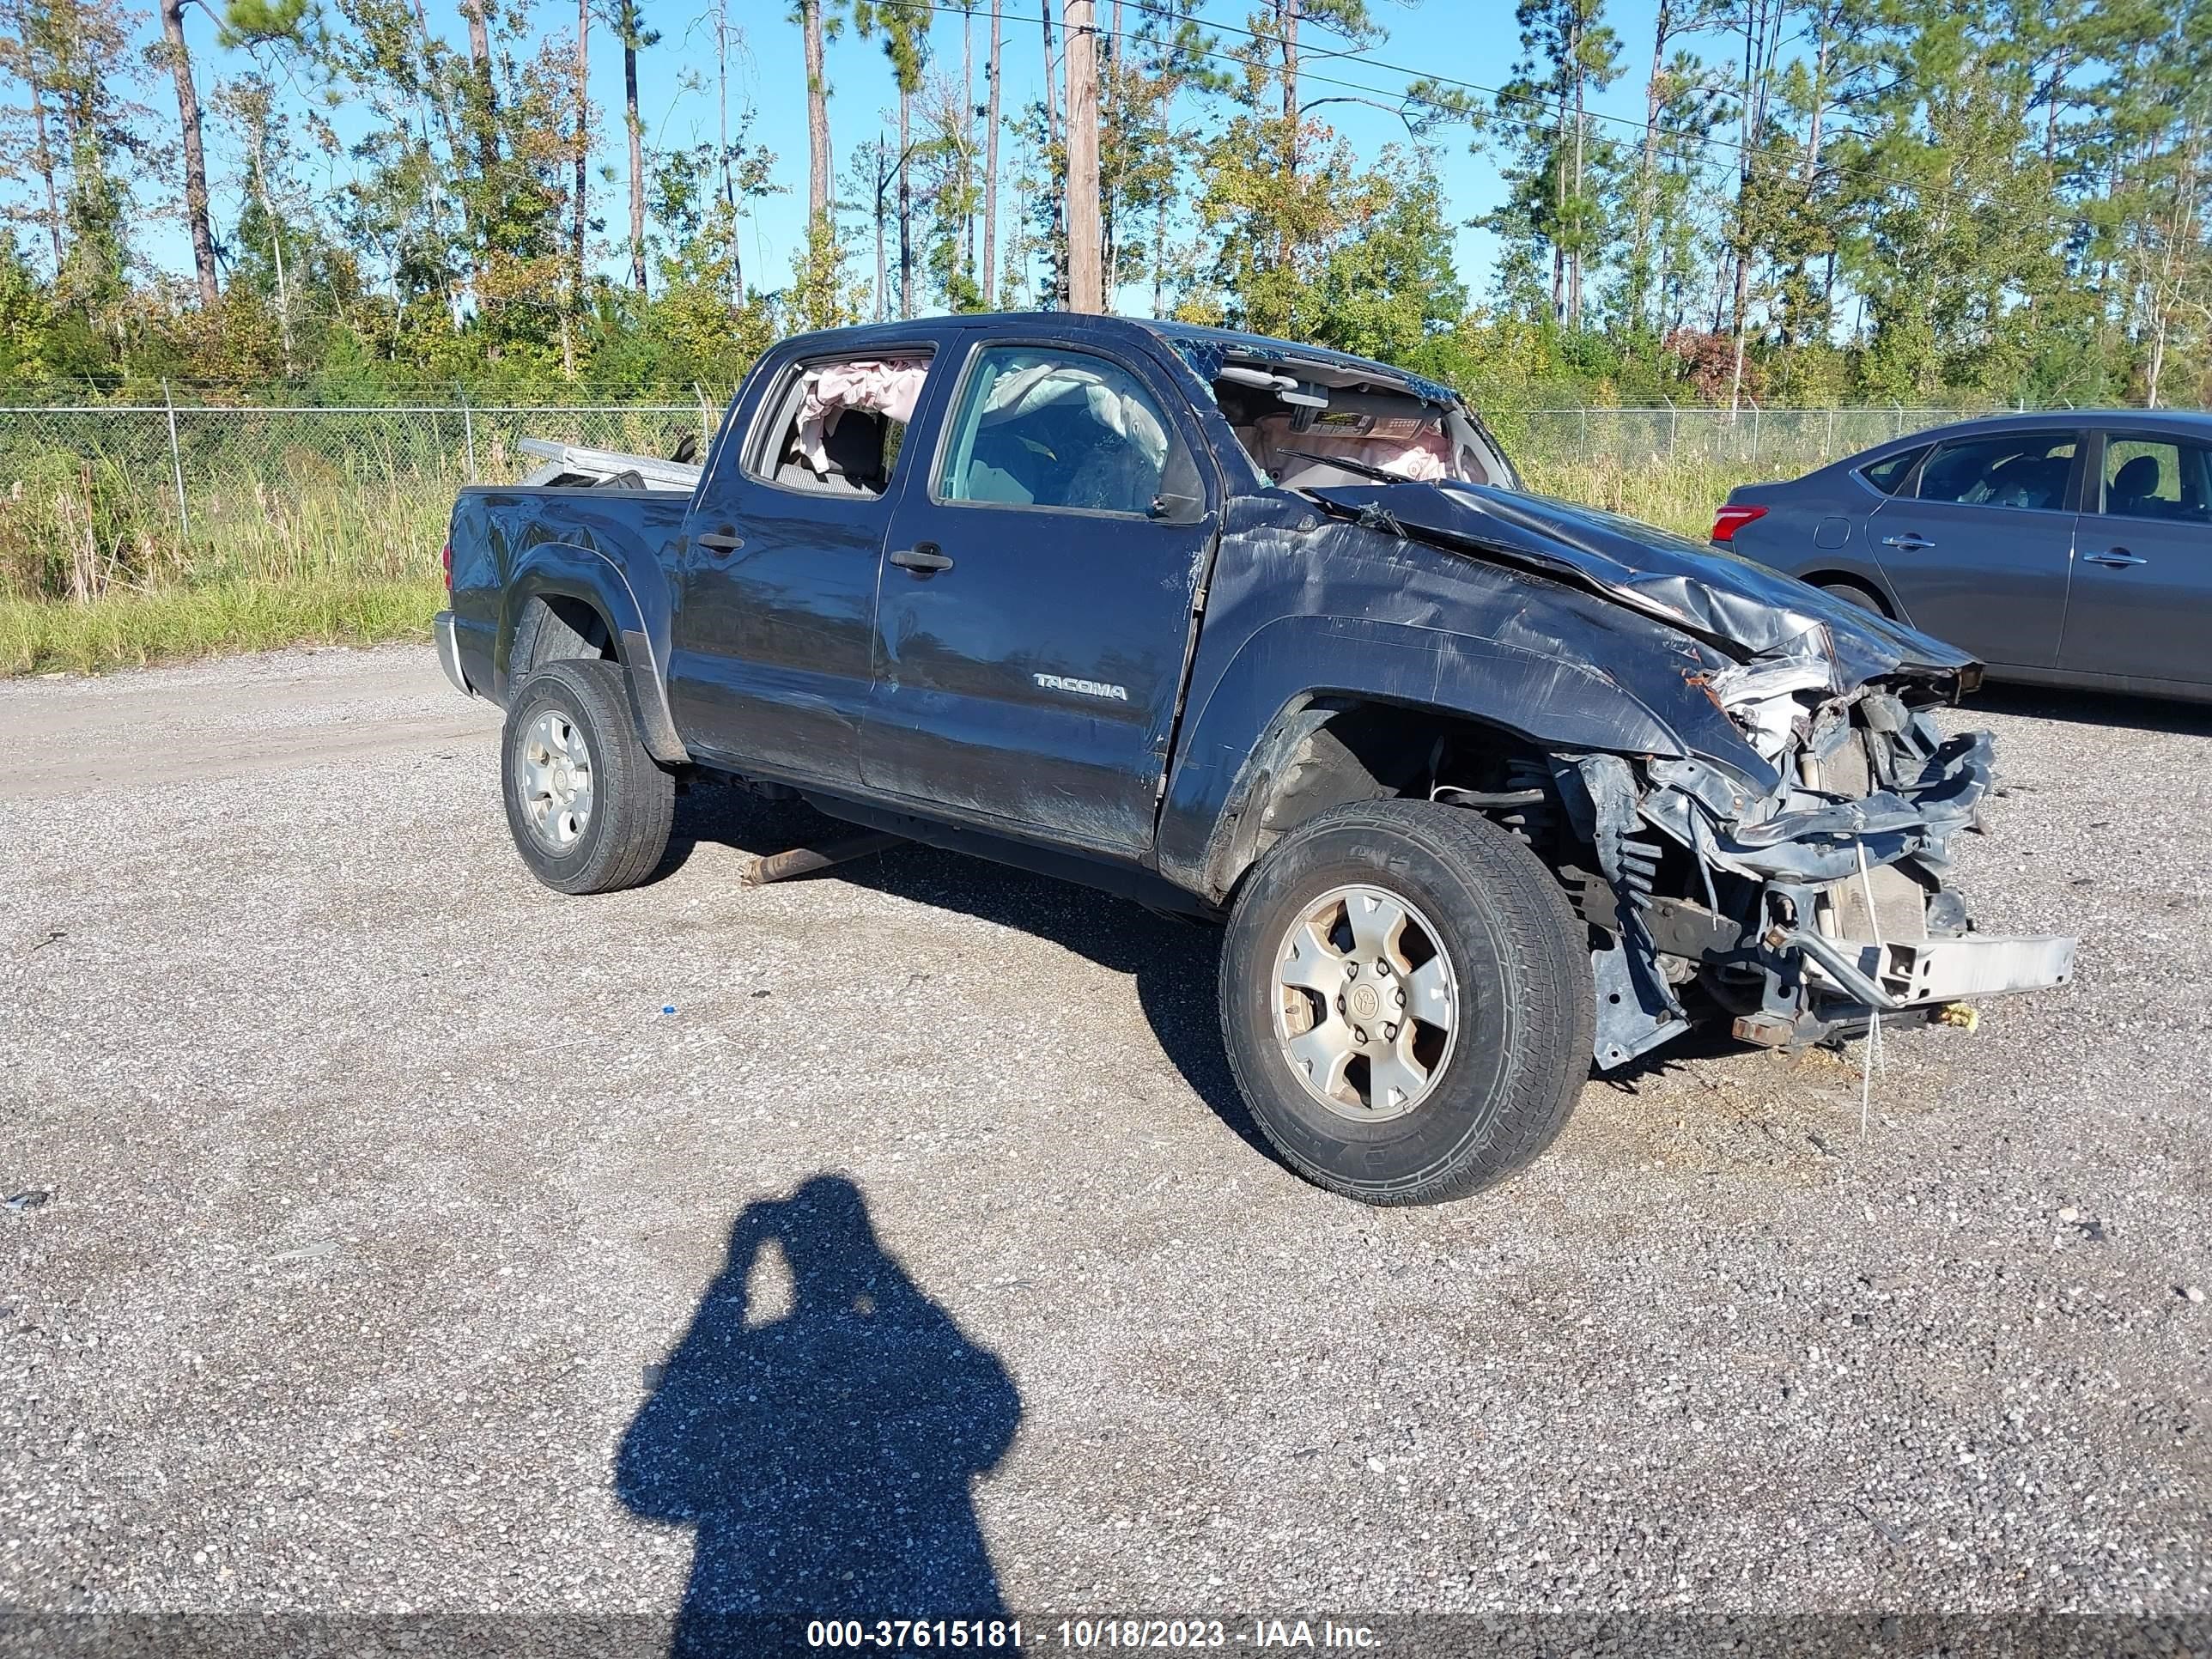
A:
x,y
616,550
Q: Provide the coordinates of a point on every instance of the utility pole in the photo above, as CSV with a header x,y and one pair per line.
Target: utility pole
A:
x,y
990,172
583,144
1056,249
1085,283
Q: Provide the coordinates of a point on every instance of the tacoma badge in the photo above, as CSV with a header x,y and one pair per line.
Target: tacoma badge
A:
x,y
1087,688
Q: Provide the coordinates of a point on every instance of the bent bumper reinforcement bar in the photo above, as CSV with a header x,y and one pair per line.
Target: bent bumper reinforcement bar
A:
x,y
1925,973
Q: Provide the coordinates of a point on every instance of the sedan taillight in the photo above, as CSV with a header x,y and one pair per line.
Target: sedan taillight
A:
x,y
1733,518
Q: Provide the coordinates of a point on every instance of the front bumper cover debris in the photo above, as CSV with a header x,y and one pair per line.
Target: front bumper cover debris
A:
x,y
1930,972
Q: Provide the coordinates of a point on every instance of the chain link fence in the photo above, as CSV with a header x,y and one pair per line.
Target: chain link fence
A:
x,y
97,497
1779,441
207,458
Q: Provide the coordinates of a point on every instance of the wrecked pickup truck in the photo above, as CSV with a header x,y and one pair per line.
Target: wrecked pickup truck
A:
x,y
1486,788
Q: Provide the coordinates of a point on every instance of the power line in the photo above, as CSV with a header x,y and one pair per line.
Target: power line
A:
x,y
1500,95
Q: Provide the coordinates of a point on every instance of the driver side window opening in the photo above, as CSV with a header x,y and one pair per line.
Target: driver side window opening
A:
x,y
835,425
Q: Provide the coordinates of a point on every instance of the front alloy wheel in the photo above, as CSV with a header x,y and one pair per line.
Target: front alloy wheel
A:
x,y
1367,1003
1407,998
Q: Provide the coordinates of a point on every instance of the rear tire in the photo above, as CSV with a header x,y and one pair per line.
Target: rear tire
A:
x,y
1495,1081
1852,594
588,808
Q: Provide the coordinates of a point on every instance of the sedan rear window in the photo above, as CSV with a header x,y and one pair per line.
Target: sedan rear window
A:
x,y
2016,469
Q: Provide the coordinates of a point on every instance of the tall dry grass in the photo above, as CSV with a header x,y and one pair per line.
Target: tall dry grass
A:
x,y
133,629
1678,495
305,524
90,581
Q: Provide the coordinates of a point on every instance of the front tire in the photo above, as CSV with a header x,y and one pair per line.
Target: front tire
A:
x,y
1406,1001
589,809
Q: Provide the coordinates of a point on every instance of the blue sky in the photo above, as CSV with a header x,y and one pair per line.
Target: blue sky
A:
x,y
1470,40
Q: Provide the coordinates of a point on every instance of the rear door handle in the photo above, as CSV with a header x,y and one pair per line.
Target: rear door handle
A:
x,y
722,541
2118,558
1910,541
923,558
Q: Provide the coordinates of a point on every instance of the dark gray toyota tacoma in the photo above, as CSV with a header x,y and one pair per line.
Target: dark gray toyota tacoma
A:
x,y
1486,788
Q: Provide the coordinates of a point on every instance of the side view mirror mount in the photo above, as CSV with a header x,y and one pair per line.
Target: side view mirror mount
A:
x,y
1182,498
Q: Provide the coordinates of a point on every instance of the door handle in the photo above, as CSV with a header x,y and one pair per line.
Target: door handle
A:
x,y
2118,558
722,541
1910,541
923,558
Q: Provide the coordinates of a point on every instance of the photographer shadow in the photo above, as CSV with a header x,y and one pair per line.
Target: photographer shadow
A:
x,y
823,1457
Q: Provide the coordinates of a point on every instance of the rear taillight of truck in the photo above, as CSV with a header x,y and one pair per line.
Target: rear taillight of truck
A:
x,y
445,558
1733,518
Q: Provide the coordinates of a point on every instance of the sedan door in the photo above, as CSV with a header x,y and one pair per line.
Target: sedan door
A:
x,y
1037,601
1978,547
2143,584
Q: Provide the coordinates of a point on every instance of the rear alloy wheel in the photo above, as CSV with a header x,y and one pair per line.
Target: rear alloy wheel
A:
x,y
589,809
557,781
1406,1001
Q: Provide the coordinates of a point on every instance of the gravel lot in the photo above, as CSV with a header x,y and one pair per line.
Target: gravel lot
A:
x,y
382,1179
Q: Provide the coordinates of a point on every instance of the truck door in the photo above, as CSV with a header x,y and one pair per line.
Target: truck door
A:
x,y
775,635
1036,599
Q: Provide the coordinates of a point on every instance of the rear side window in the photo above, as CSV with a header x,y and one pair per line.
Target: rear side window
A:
x,y
1889,474
835,427
2157,478
2018,470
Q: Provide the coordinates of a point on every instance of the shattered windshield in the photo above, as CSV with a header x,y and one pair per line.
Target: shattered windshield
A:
x,y
1312,424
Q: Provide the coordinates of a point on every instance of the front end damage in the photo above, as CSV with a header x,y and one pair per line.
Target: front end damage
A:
x,y
1807,911
1786,865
